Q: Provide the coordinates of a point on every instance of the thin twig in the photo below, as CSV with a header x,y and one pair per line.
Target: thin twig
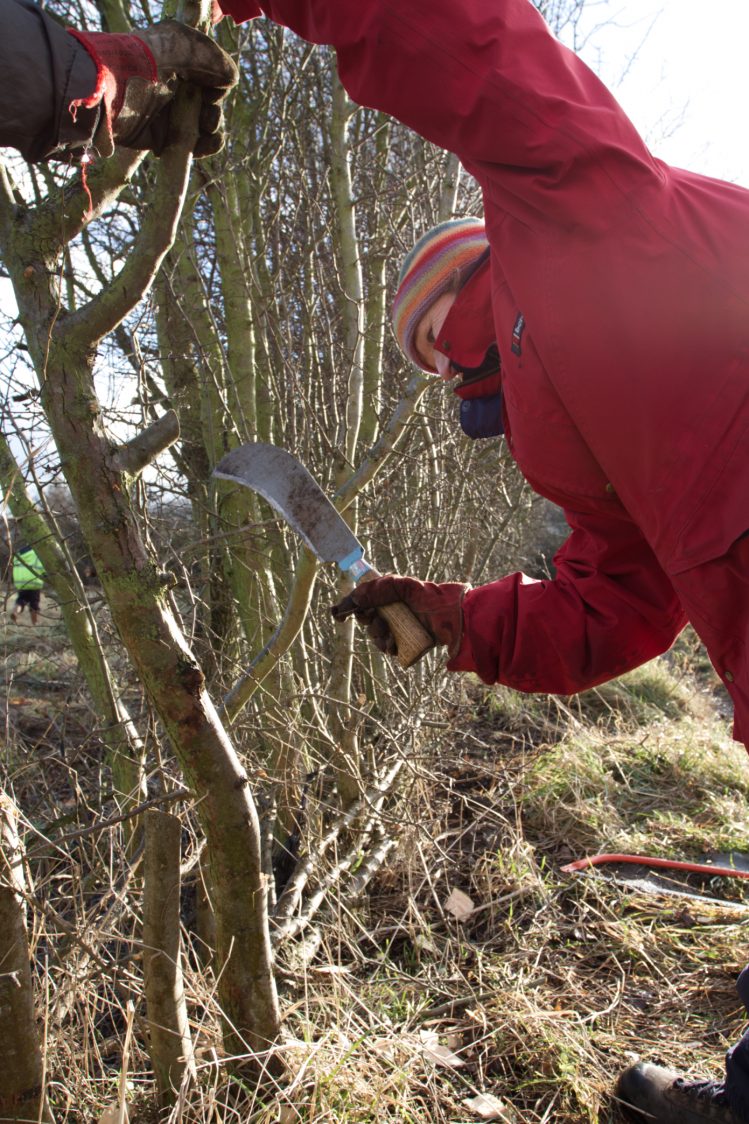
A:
x,y
103,825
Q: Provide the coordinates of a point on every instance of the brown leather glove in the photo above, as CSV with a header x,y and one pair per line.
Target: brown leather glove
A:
x,y
439,607
138,76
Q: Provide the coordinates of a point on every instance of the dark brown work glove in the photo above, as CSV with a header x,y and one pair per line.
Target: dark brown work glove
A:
x,y
439,607
138,76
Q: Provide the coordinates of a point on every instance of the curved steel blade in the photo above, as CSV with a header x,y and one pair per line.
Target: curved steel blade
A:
x,y
295,494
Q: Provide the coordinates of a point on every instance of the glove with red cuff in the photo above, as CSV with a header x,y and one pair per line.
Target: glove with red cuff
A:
x,y
239,10
438,606
138,76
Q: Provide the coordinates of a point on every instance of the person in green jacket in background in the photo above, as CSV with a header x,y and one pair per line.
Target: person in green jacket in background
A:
x,y
28,581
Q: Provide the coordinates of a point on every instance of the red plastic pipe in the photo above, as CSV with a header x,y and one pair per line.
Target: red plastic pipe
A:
x,y
644,860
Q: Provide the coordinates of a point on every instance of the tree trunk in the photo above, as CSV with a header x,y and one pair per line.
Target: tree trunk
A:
x,y
21,1066
124,747
166,1010
62,345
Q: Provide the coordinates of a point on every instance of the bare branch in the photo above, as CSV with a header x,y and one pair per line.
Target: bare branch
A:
x,y
63,214
157,233
380,452
279,643
142,450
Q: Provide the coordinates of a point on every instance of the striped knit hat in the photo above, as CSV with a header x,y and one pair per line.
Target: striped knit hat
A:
x,y
429,271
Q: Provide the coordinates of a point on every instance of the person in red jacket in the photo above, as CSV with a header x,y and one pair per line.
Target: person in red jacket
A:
x,y
616,291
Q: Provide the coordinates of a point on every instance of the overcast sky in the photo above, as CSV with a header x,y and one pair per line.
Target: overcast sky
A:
x,y
687,89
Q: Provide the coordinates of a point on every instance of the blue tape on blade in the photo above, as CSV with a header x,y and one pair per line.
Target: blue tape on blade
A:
x,y
347,562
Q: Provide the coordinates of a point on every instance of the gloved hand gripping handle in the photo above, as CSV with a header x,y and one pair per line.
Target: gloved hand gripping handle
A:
x,y
412,638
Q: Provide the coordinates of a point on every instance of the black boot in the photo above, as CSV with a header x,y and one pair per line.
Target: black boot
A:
x,y
649,1092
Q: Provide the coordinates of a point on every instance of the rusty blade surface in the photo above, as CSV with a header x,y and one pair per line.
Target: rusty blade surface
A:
x,y
295,494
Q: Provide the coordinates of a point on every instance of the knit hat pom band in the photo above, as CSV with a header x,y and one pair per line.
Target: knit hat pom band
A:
x,y
431,268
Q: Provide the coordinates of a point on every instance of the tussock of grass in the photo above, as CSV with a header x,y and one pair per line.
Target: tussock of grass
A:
x,y
649,694
680,789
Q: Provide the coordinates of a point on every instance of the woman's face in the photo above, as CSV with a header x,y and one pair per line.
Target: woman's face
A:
x,y
427,331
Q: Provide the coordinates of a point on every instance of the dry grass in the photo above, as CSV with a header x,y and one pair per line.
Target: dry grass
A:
x,y
400,1011
555,982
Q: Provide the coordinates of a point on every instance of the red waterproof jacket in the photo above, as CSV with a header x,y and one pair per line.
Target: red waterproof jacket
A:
x,y
620,295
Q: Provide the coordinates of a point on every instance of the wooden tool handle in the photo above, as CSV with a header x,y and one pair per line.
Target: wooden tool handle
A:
x,y
412,638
